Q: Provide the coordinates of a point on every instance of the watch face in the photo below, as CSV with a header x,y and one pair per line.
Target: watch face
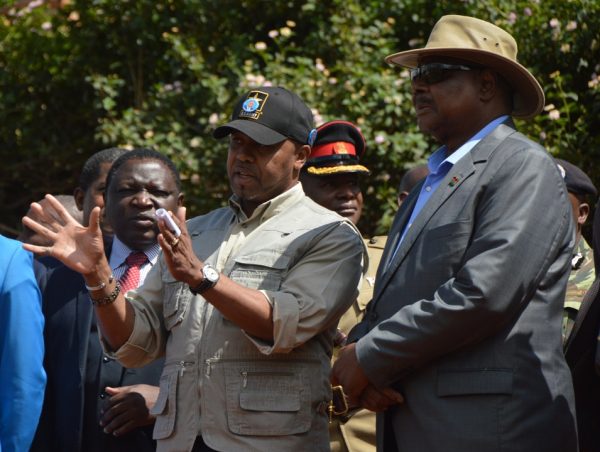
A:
x,y
210,273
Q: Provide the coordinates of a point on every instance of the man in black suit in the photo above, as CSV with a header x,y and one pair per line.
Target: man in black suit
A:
x,y
92,403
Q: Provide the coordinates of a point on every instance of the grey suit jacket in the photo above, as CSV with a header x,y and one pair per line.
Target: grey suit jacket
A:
x,y
466,319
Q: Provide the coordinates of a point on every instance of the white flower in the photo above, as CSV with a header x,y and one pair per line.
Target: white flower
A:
x,y
319,65
47,26
572,25
213,119
379,139
273,34
554,23
285,31
195,142
512,17
260,45
527,11
554,115
290,23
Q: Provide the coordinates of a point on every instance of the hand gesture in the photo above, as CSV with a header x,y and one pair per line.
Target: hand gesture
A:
x,y
179,254
79,248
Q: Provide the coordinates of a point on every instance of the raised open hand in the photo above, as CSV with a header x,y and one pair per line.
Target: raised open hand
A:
x,y
78,247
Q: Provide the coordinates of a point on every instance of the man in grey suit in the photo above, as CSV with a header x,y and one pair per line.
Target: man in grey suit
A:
x,y
460,349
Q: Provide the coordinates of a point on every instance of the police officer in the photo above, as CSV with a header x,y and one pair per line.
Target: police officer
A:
x,y
580,188
331,177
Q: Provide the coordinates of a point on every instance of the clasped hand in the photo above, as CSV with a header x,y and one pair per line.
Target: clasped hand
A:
x,y
360,392
128,407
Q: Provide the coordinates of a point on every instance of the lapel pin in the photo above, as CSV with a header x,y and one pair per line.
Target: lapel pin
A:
x,y
454,181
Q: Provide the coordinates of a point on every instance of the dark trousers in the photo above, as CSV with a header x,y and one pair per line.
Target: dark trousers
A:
x,y
200,446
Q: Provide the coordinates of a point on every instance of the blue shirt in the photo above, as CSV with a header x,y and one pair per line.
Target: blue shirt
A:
x,y
22,375
439,165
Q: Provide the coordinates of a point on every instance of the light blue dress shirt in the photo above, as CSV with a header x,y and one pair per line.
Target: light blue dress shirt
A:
x,y
439,165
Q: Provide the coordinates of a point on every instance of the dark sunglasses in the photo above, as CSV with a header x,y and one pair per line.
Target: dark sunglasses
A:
x,y
436,72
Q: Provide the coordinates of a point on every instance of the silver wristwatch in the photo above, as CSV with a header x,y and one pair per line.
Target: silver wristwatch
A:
x,y
210,277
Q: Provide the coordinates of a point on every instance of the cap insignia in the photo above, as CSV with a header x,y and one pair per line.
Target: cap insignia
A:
x,y
253,106
340,148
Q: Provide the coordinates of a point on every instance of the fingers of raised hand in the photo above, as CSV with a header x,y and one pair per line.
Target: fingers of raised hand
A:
x,y
53,210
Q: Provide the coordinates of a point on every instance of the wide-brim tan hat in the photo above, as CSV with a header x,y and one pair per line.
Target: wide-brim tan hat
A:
x,y
480,42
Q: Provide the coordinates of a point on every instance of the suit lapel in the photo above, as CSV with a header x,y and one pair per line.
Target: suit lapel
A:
x,y
452,182
84,313
449,185
400,220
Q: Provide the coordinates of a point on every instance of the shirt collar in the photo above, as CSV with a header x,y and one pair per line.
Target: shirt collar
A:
x,y
439,158
269,208
120,251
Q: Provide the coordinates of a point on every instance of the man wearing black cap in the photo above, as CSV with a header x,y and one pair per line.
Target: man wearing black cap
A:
x,y
243,302
580,188
331,178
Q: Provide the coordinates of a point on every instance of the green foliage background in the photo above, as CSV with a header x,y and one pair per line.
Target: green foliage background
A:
x,y
162,73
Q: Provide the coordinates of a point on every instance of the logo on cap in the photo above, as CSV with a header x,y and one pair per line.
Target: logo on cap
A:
x,y
253,106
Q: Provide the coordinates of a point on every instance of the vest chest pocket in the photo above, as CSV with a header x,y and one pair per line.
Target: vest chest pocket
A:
x,y
263,270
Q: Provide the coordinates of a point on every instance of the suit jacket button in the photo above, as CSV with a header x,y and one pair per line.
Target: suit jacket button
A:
x,y
102,395
105,359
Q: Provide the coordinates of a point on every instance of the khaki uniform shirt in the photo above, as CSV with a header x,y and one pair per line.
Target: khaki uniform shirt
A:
x,y
238,392
581,278
358,433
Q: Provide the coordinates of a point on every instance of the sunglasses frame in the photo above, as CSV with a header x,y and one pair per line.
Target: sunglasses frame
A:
x,y
432,73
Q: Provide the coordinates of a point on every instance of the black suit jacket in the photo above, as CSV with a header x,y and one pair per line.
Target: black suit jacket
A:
x,y
69,317
580,354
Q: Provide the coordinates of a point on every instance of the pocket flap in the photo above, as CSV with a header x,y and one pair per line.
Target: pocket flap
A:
x,y
259,401
265,258
480,381
161,402
165,407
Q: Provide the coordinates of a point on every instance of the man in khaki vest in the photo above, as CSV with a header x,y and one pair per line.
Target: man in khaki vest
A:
x,y
244,300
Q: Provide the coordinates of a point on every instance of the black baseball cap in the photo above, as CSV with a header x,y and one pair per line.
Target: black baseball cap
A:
x,y
576,180
270,115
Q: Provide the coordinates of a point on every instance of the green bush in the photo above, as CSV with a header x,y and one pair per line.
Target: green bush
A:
x,y
163,73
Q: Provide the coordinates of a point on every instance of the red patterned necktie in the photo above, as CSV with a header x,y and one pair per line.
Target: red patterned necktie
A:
x,y
131,277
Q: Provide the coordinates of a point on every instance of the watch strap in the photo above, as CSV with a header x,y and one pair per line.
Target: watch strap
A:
x,y
204,285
